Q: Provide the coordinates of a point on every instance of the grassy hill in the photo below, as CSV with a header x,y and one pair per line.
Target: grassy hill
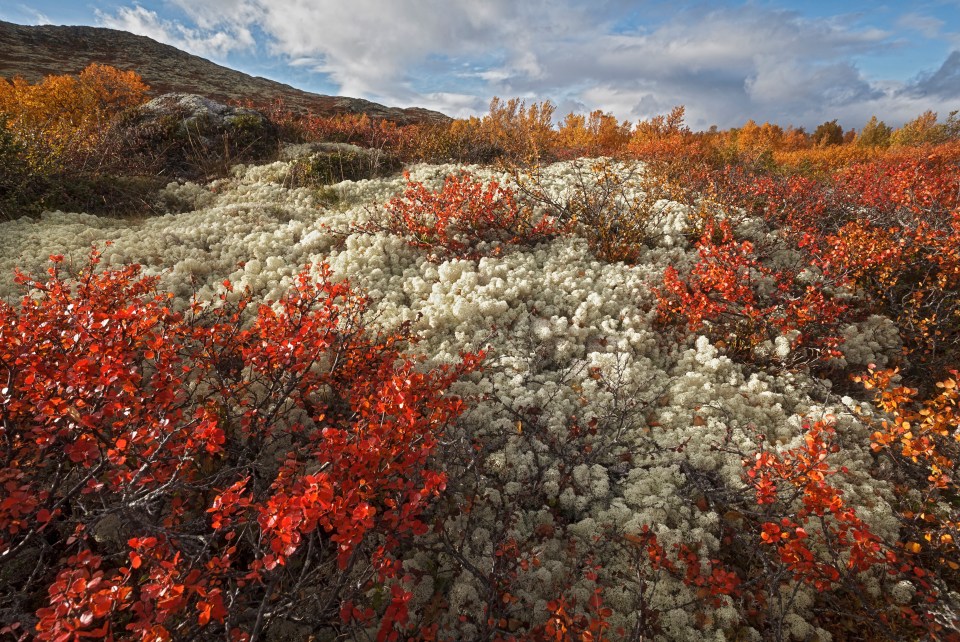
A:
x,y
38,51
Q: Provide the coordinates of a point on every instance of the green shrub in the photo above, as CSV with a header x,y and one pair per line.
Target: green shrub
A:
x,y
16,182
342,164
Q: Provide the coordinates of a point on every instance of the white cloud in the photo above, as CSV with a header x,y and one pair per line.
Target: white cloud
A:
x,y
726,64
210,43
39,18
453,104
927,26
306,61
24,14
369,47
944,82
779,81
210,14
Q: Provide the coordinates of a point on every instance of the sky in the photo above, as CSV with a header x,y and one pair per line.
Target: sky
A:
x,y
795,63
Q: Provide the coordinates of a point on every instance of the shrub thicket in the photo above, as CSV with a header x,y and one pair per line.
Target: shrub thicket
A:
x,y
215,473
62,143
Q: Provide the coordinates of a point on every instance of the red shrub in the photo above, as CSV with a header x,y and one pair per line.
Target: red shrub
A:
x,y
195,475
464,218
736,298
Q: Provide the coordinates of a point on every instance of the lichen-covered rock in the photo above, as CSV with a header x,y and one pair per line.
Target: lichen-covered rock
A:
x,y
186,135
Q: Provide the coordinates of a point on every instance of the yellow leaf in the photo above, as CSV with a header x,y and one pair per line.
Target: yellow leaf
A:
x,y
733,516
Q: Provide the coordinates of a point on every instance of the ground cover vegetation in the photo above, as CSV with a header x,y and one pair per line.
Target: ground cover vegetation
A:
x,y
583,380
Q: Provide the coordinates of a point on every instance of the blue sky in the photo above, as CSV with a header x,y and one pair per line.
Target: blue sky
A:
x,y
797,63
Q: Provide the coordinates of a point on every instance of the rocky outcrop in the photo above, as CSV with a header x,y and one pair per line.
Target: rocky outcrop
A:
x,y
190,136
193,114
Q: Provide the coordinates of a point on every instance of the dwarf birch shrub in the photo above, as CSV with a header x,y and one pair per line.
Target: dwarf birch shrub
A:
x,y
64,121
619,209
464,218
67,146
186,475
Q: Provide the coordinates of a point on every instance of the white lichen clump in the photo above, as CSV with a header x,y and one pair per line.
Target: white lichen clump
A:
x,y
593,425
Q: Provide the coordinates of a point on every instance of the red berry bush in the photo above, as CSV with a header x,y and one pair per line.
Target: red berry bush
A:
x,y
465,218
215,473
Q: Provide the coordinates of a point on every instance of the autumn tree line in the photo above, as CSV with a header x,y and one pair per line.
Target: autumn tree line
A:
x,y
513,131
76,124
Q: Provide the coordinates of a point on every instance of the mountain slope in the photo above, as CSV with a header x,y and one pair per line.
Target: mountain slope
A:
x,y
37,51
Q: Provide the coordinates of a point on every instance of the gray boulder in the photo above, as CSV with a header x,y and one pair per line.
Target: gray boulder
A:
x,y
194,137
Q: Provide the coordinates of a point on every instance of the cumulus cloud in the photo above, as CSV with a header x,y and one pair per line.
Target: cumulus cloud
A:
x,y
210,15
726,64
372,47
943,83
363,46
207,42
454,104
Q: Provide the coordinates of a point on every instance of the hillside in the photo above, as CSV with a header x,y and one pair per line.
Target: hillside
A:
x,y
37,51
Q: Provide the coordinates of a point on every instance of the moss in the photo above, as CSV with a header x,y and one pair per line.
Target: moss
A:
x,y
333,167
248,122
103,194
328,168
250,136
328,196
